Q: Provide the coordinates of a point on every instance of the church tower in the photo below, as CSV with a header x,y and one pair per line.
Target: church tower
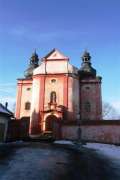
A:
x,y
90,90
24,89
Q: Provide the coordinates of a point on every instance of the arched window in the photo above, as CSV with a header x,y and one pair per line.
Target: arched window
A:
x,y
53,97
27,106
87,107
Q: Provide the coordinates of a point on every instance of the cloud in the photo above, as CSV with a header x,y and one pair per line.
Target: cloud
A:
x,y
7,99
40,35
8,94
7,87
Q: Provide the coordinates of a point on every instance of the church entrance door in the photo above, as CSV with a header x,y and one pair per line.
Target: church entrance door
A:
x,y
52,123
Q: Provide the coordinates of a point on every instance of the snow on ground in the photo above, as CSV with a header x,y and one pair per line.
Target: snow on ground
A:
x,y
37,162
64,142
112,152
43,161
107,149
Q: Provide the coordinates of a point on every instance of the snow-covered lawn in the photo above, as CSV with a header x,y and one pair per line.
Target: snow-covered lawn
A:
x,y
64,142
110,151
107,149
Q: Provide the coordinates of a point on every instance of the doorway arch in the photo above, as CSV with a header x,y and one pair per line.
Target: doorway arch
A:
x,y
50,122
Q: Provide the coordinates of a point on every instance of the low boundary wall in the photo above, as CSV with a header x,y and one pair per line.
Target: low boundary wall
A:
x,y
104,131
18,129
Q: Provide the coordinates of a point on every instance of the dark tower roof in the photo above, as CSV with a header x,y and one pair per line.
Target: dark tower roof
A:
x,y
86,69
34,59
32,65
86,56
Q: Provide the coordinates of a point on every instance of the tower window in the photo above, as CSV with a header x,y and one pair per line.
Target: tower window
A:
x,y
28,89
27,106
53,97
87,87
87,107
53,80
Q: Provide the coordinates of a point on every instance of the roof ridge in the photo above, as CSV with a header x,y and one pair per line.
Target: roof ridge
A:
x,y
52,51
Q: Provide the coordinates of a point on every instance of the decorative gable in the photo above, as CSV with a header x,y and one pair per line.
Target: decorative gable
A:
x,y
55,55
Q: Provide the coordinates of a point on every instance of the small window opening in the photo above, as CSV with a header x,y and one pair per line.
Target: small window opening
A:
x,y
28,89
87,107
27,106
87,88
53,80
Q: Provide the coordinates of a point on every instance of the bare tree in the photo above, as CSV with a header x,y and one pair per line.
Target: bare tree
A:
x,y
109,112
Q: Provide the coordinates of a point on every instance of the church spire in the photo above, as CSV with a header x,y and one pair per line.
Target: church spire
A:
x,y
34,60
86,69
86,57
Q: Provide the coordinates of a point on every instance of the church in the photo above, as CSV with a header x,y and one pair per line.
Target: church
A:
x,y
54,92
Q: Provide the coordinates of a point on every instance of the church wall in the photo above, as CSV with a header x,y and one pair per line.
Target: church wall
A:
x,y
35,95
88,95
90,91
24,93
42,88
73,98
65,92
40,69
76,107
59,66
18,100
35,106
70,99
98,102
26,97
54,86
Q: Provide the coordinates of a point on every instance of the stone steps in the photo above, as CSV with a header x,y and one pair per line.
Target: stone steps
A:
x,y
44,136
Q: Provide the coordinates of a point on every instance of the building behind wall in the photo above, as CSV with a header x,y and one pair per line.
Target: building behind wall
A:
x,y
5,118
53,91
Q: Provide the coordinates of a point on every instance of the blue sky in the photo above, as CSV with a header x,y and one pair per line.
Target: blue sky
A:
x,y
68,25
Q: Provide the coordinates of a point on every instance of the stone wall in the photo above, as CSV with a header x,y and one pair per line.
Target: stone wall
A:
x,y
105,131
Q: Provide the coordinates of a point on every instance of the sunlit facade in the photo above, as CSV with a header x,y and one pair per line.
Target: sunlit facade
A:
x,y
54,92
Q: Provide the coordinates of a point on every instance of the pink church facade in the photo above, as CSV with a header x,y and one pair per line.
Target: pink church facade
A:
x,y
54,92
